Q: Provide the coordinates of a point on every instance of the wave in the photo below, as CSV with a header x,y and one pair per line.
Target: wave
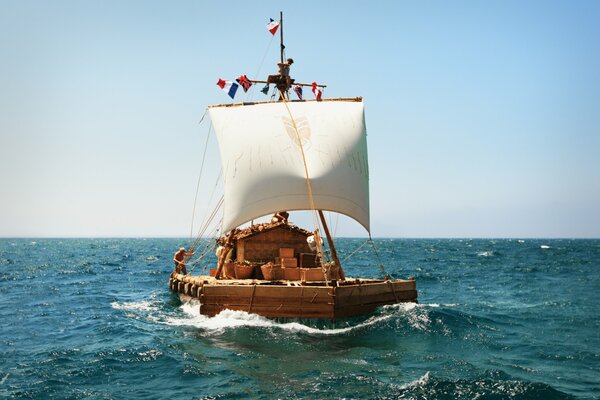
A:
x,y
493,384
419,382
143,305
416,316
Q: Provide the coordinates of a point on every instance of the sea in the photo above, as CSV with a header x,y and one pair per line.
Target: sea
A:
x,y
496,319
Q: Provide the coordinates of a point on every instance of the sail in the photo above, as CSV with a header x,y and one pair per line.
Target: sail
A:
x,y
262,160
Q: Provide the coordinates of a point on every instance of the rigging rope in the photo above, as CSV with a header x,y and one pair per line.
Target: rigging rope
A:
x,y
205,222
260,66
308,185
355,251
385,275
200,176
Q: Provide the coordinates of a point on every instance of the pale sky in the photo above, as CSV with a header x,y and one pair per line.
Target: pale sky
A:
x,y
483,117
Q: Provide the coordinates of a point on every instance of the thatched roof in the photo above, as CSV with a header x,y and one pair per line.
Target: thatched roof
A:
x,y
261,228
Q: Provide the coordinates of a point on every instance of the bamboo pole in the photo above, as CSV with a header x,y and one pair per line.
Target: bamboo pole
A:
x,y
281,34
295,83
334,255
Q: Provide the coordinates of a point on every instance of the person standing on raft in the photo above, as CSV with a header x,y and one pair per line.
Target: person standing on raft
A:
x,y
281,216
179,258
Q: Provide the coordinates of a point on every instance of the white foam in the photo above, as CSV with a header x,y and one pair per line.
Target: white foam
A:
x,y
136,305
417,382
229,319
485,253
435,305
544,246
4,379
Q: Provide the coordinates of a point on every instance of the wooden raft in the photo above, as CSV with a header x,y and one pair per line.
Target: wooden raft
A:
x,y
293,299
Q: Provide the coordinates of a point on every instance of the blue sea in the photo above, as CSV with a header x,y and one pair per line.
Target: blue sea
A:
x,y
496,319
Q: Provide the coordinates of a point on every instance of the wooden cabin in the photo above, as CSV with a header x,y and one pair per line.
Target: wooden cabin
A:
x,y
279,243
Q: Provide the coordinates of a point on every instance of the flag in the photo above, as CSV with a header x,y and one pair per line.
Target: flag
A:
x,y
318,93
265,90
272,26
228,86
298,90
244,82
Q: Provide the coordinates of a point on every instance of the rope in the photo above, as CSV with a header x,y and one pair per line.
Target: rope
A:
x,y
202,119
205,223
308,187
207,249
260,66
307,176
200,177
355,251
385,275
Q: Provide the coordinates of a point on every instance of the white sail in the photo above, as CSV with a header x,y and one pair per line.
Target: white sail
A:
x,y
262,159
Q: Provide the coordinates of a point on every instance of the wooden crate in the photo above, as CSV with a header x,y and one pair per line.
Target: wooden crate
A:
x,y
291,274
289,262
312,274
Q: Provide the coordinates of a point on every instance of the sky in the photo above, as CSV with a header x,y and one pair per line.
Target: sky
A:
x,y
483,118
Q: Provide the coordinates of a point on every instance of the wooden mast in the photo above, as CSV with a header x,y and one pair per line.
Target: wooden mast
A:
x,y
281,46
334,255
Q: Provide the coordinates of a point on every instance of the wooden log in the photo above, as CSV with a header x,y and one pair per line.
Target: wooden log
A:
x,y
325,311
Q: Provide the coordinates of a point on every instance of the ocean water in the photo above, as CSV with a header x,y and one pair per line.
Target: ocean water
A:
x,y
496,319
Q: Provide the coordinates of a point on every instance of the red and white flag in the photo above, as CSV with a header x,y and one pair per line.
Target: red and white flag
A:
x,y
228,87
318,93
272,26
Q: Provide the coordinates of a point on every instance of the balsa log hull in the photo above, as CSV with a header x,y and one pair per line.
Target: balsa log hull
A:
x,y
294,299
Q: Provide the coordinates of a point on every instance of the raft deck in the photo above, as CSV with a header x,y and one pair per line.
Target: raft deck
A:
x,y
293,299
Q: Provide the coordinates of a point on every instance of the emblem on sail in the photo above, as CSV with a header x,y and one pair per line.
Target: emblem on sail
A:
x,y
298,130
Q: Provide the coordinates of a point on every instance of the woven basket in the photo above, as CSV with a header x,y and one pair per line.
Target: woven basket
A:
x,y
272,272
243,271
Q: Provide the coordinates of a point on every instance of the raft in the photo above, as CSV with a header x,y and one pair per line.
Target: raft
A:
x,y
293,299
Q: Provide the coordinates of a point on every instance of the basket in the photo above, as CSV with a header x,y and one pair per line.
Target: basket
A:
x,y
272,272
243,271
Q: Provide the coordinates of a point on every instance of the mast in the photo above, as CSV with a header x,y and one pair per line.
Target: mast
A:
x,y
281,46
334,255
282,80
